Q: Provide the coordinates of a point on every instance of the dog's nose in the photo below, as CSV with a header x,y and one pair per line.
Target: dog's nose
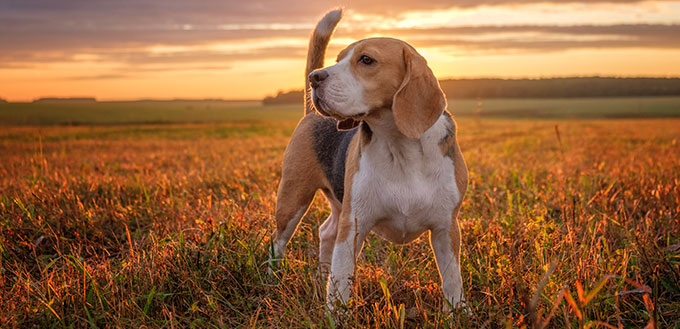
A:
x,y
316,77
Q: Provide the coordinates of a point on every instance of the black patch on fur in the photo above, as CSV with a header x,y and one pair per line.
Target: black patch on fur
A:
x,y
367,132
330,146
450,133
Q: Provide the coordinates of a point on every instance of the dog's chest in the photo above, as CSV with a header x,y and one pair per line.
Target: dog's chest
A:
x,y
404,190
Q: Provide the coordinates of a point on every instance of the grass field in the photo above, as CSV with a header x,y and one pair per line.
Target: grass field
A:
x,y
79,113
568,224
569,108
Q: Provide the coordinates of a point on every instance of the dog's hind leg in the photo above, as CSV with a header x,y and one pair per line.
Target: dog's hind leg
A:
x,y
291,204
300,179
327,233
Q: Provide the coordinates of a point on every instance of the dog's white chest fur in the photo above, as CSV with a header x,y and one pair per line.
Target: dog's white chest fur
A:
x,y
405,188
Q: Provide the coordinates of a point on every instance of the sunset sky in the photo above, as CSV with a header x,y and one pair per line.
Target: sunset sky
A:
x,y
162,49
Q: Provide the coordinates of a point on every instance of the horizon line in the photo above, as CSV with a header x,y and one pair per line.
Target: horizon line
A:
x,y
82,98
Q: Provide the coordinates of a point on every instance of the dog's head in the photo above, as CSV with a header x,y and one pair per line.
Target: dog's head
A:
x,y
379,74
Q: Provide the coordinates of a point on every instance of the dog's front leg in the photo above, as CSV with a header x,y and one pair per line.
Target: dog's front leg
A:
x,y
348,244
446,246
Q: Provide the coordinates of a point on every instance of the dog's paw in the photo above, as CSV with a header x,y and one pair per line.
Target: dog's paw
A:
x,y
459,307
274,265
270,268
337,311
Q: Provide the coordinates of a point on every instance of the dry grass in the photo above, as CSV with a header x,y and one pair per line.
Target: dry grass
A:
x,y
168,226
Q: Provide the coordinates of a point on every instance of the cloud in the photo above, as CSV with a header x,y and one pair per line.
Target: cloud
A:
x,y
105,13
183,57
544,38
126,32
639,30
108,76
137,50
132,37
130,73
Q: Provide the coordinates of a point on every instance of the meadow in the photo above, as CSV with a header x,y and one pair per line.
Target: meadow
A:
x,y
183,111
566,223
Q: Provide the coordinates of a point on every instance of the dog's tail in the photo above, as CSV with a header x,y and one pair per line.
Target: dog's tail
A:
x,y
317,50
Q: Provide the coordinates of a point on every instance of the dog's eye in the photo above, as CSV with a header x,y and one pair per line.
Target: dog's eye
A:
x,y
366,60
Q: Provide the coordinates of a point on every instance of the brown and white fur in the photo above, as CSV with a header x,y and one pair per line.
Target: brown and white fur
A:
x,y
384,153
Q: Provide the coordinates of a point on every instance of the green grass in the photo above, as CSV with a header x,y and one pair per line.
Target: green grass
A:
x,y
83,113
569,108
150,131
168,226
75,113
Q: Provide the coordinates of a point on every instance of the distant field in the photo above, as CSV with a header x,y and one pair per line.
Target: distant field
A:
x,y
49,113
569,108
168,226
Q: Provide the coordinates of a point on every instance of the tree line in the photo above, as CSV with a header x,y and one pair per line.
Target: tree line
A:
x,y
536,88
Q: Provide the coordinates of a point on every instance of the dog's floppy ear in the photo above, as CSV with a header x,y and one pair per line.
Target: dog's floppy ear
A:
x,y
419,101
348,124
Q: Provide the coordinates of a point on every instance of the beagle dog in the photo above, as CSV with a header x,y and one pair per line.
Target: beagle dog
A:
x,y
382,148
